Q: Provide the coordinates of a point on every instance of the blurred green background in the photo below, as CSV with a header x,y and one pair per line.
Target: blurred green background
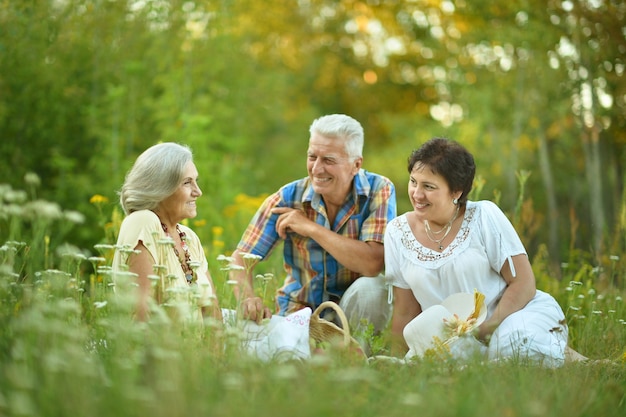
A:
x,y
530,87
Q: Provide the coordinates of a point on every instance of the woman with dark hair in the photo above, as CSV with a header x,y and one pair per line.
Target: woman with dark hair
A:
x,y
449,245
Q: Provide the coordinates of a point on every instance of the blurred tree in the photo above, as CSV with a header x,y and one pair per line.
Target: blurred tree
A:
x,y
86,85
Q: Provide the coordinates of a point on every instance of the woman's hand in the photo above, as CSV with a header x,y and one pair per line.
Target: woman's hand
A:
x,y
484,331
519,291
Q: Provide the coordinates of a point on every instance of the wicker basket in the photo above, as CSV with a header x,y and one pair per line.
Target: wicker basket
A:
x,y
324,331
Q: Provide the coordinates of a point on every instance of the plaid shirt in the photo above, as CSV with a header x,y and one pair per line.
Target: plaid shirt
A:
x,y
363,216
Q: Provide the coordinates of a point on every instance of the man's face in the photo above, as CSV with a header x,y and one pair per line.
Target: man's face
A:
x,y
330,168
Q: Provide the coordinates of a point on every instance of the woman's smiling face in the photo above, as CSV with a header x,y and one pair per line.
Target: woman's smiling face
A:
x,y
430,195
182,203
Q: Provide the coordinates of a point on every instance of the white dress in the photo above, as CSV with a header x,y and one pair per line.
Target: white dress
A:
x,y
485,241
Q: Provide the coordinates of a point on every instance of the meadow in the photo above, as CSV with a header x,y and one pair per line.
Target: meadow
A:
x,y
69,345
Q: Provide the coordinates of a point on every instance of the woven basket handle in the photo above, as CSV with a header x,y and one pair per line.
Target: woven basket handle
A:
x,y
342,317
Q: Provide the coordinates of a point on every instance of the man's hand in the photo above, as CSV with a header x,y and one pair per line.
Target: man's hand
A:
x,y
253,309
291,220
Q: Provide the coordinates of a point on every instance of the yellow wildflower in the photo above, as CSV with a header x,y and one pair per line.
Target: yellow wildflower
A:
x,y
98,199
199,223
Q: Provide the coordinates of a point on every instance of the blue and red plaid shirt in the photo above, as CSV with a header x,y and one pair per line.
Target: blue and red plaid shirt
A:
x,y
363,216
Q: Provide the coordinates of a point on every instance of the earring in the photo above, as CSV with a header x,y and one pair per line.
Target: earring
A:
x,y
455,201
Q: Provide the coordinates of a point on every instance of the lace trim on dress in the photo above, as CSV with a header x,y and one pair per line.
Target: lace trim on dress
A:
x,y
424,254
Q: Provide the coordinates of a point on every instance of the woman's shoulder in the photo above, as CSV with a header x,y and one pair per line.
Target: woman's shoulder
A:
x,y
396,224
140,219
482,203
139,225
490,215
484,208
142,216
400,219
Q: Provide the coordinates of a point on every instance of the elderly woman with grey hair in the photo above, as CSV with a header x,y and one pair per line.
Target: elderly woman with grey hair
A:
x,y
159,192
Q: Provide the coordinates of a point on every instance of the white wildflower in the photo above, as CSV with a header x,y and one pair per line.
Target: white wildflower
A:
x,y
15,196
224,258
166,241
32,179
251,256
15,244
103,246
74,216
233,267
40,209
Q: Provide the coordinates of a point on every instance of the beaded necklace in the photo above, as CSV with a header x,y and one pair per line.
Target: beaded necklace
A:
x,y
187,270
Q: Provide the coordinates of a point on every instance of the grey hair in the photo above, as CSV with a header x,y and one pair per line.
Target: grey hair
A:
x,y
155,175
340,126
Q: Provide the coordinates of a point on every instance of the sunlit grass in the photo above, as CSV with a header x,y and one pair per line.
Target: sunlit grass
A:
x,y
69,345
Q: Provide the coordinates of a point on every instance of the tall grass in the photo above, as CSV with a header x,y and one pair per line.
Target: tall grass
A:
x,y
70,347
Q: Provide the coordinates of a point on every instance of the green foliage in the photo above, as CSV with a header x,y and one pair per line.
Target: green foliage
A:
x,y
69,344
85,86
53,362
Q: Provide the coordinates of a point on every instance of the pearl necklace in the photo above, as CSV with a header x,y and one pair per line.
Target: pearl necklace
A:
x,y
430,234
187,270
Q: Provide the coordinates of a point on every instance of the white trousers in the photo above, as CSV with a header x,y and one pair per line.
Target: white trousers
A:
x,y
537,333
367,301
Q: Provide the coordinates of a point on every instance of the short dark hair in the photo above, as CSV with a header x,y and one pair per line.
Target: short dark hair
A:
x,y
449,159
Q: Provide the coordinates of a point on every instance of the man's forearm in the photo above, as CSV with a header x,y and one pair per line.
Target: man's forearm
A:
x,y
365,258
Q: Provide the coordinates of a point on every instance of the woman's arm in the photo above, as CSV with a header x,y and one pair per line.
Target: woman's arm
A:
x,y
142,264
213,309
405,309
519,291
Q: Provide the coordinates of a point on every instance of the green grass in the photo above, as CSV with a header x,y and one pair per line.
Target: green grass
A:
x,y
69,347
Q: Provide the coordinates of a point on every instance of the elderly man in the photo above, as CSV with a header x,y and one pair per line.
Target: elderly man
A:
x,y
333,223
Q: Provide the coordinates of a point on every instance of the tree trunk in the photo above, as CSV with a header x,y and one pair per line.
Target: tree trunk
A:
x,y
593,163
548,183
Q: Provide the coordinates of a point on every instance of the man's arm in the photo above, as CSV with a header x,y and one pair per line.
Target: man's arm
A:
x,y
365,258
252,307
